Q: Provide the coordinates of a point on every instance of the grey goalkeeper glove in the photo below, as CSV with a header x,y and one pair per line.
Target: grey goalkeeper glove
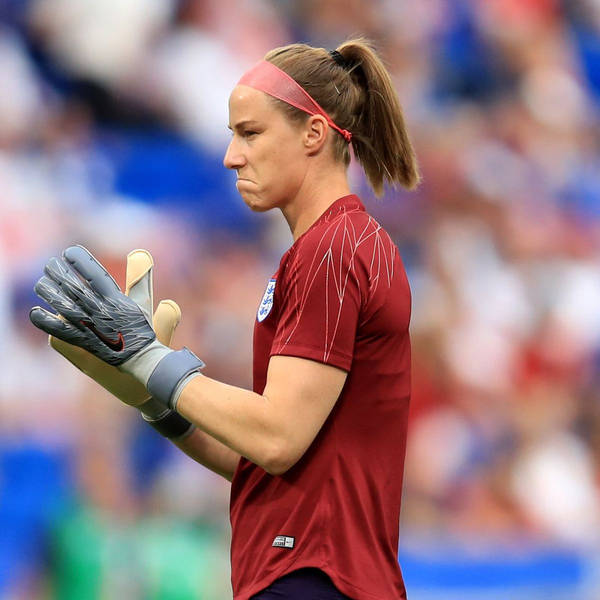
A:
x,y
139,287
95,315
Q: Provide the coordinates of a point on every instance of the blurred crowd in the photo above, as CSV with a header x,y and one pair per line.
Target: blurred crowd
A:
x,y
113,124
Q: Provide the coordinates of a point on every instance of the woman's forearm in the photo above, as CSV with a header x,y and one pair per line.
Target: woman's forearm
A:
x,y
209,452
241,420
273,430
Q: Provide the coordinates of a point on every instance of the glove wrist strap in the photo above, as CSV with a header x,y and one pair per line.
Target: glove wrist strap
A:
x,y
172,425
169,373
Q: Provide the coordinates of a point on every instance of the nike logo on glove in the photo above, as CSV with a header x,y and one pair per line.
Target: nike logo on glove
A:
x,y
115,345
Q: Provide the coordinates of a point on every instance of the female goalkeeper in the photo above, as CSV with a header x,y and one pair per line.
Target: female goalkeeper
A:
x,y
315,452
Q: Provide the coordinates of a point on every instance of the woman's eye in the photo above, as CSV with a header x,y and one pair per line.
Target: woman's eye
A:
x,y
250,133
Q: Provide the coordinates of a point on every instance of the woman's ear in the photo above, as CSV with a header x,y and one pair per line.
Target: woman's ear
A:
x,y
315,133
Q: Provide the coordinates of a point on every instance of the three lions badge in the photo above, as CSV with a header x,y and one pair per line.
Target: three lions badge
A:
x,y
266,303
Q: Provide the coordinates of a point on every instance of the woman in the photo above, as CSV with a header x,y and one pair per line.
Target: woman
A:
x,y
315,452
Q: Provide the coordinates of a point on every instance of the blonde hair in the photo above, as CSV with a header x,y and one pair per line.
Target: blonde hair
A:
x,y
359,96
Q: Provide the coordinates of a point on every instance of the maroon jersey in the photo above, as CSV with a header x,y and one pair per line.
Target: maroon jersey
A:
x,y
341,297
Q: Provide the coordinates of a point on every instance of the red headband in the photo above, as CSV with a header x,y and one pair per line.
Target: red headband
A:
x,y
268,78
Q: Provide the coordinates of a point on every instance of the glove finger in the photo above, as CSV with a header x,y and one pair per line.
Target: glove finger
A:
x,y
166,318
54,325
72,285
99,279
50,292
139,280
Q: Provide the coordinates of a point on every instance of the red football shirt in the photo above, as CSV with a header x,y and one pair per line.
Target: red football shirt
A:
x,y
341,297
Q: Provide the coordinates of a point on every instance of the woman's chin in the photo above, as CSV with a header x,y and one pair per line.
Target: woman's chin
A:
x,y
255,203
258,207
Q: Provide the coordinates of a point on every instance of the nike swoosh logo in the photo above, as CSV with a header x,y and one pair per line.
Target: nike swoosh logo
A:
x,y
115,345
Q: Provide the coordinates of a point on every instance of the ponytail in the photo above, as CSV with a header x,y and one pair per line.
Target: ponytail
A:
x,y
380,140
355,89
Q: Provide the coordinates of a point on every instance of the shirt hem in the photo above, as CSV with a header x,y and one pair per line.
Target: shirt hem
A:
x,y
355,593
341,361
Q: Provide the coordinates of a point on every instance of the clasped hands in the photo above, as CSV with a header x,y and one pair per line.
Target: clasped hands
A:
x,y
110,335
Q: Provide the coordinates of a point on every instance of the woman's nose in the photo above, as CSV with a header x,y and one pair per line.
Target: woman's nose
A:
x,y
233,158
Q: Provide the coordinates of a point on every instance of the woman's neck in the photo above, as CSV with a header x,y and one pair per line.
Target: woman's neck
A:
x,y
310,203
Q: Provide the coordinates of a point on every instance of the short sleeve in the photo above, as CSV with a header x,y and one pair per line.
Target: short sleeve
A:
x,y
319,298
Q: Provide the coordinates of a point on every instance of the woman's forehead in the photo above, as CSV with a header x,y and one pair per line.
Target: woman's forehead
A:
x,y
246,102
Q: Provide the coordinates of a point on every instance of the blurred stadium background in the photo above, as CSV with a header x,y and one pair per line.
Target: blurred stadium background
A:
x,y
113,121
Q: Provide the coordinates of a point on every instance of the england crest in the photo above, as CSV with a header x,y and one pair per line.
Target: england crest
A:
x,y
266,303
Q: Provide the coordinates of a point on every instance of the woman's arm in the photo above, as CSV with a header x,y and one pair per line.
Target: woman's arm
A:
x,y
209,452
275,429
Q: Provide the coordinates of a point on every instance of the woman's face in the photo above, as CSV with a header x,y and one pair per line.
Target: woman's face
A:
x,y
266,150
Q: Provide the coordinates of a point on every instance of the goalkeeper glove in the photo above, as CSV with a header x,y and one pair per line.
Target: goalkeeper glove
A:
x,y
94,315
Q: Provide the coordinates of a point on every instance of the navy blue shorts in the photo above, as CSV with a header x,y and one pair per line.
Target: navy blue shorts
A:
x,y
303,584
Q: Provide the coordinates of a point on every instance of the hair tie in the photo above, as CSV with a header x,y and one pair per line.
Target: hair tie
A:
x,y
339,59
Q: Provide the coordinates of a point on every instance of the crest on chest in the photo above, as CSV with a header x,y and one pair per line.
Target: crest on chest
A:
x,y
266,304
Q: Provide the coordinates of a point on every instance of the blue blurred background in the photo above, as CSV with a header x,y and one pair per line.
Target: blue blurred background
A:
x,y
113,119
